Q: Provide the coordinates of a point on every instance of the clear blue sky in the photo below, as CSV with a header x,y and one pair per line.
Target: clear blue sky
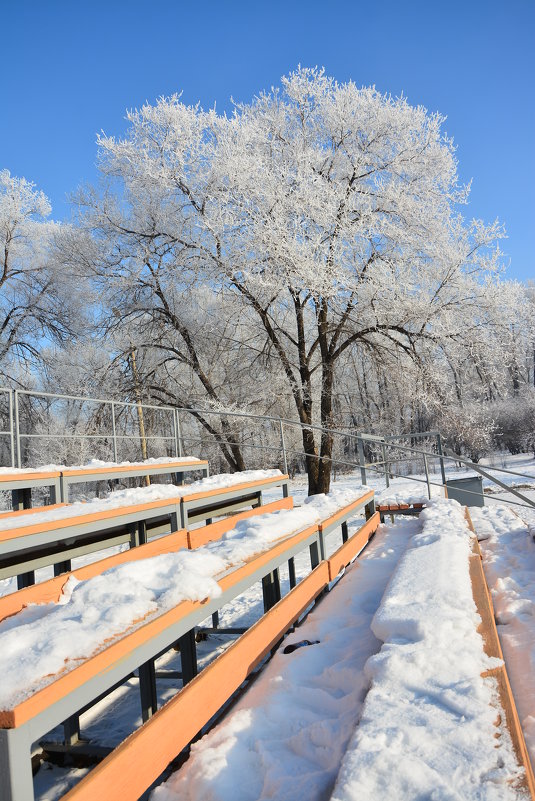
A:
x,y
71,68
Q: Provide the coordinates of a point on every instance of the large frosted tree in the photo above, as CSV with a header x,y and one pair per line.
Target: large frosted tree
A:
x,y
332,213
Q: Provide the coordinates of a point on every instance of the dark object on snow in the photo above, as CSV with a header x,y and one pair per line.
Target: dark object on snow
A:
x,y
291,648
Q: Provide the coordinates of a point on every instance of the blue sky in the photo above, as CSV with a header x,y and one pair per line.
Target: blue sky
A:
x,y
70,69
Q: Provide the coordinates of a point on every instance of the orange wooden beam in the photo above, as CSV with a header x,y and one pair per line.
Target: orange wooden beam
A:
x,y
491,641
343,556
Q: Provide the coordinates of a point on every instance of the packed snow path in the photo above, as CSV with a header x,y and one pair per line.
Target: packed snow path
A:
x,y
409,666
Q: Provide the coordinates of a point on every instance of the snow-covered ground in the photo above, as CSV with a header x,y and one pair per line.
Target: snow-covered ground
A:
x,y
333,677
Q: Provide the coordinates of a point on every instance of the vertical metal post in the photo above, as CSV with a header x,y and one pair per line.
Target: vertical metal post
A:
x,y
11,428
362,462
427,476
178,435
188,656
147,690
345,532
114,432
441,458
387,479
283,446
271,589
17,429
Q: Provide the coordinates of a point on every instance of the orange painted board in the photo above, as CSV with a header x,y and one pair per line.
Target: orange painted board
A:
x,y
203,534
50,591
115,653
492,647
110,514
90,471
28,476
20,512
343,556
347,509
237,487
141,758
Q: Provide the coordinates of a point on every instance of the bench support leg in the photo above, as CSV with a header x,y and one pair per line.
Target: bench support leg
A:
x,y
15,766
291,572
188,656
71,730
271,589
215,620
147,690
62,567
138,534
314,555
21,499
25,579
345,532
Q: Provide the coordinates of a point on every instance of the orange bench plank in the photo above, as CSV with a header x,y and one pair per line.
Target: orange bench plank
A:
x,y
90,471
204,534
143,756
339,515
110,514
343,556
20,512
489,632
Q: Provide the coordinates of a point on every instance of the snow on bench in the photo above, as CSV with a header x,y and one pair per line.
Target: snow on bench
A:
x,y
59,477
40,538
68,652
431,723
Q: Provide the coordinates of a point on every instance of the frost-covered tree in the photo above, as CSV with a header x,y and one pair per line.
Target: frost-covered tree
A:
x,y
329,212
37,301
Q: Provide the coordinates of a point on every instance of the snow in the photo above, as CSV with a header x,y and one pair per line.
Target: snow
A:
x,y
287,735
101,609
509,561
428,726
140,495
96,464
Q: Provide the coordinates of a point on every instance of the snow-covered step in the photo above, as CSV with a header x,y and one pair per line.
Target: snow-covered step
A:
x,y
122,617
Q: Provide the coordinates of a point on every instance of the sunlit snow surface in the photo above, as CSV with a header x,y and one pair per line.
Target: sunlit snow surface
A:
x,y
427,727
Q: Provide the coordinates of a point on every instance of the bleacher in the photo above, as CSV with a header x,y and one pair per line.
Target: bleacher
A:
x,y
251,539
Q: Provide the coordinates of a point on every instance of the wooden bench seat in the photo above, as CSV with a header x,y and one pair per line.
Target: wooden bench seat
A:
x,y
409,509
21,482
57,541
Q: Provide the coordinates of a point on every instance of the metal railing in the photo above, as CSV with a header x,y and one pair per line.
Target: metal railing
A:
x,y
34,424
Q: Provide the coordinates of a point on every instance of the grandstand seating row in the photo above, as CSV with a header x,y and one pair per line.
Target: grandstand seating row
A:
x,y
67,693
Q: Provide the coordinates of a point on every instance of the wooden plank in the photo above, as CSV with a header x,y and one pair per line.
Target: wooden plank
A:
x,y
110,514
50,591
142,757
139,466
342,514
343,556
29,476
114,654
21,512
492,647
204,534
274,480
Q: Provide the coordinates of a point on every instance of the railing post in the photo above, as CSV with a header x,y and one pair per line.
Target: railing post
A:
x,y
362,461
387,479
441,457
17,429
283,446
114,432
178,435
427,477
11,429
